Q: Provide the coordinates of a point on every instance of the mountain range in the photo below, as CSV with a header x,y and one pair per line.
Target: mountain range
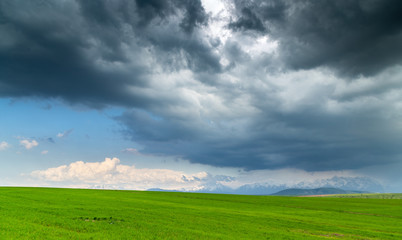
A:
x,y
315,191
363,184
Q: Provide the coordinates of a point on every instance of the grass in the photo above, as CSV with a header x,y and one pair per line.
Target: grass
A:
x,y
370,195
46,213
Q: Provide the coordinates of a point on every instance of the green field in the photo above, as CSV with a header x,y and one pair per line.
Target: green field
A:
x,y
370,195
45,213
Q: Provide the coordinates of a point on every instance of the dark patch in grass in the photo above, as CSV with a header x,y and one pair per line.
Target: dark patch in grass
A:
x,y
110,220
333,235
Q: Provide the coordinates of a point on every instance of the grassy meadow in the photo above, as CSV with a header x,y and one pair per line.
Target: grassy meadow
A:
x,y
46,213
370,195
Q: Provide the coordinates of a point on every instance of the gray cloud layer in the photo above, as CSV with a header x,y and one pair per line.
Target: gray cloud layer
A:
x,y
92,52
325,97
351,37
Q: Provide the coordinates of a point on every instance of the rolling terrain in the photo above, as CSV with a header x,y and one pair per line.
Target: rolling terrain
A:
x,y
315,191
370,195
50,213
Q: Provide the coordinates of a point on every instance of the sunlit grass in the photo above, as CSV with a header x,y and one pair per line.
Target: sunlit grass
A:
x,y
44,213
370,195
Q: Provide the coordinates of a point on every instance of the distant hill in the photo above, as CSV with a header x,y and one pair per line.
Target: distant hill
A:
x,y
364,184
161,190
315,191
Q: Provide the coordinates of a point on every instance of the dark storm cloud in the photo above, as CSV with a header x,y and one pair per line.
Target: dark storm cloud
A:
x,y
222,101
247,21
253,14
321,141
70,49
351,37
311,141
195,141
44,55
194,13
309,136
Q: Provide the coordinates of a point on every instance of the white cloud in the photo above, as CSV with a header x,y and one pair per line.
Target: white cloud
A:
x,y
44,152
29,144
4,145
131,150
112,173
64,134
214,6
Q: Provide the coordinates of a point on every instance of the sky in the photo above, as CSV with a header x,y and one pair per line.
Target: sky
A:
x,y
224,96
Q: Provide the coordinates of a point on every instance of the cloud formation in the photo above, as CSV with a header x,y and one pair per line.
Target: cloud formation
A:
x,y
111,172
351,37
131,151
28,144
4,145
313,85
105,53
62,134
